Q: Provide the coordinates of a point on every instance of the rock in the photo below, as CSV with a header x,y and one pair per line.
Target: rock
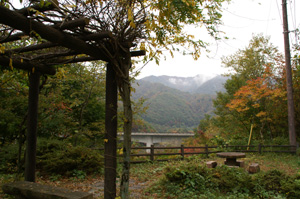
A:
x,y
211,164
253,168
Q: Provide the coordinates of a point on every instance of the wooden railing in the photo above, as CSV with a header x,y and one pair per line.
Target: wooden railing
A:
x,y
159,153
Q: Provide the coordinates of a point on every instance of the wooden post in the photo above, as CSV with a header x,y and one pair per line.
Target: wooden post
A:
x,y
206,150
289,79
259,148
110,142
33,100
182,152
152,152
297,147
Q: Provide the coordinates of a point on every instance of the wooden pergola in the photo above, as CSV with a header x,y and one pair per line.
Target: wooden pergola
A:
x,y
56,40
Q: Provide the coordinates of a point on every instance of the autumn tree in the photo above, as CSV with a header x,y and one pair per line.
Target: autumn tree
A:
x,y
254,69
261,101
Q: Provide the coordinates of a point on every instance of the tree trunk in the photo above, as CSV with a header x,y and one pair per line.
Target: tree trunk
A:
x,y
34,81
110,142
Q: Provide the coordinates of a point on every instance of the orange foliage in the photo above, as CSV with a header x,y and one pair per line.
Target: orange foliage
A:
x,y
259,95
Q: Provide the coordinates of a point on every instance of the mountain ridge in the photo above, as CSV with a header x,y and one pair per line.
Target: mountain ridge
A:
x,y
202,84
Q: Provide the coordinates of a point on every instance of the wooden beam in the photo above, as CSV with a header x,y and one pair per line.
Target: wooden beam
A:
x,y
138,53
18,21
61,26
96,36
111,124
86,58
13,37
31,48
72,24
25,65
48,5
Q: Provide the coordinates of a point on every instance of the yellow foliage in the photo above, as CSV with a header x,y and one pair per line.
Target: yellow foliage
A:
x,y
131,18
120,151
2,49
11,64
261,114
132,24
142,46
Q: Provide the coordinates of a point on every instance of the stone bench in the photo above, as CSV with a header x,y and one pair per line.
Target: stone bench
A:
x,y
211,164
31,190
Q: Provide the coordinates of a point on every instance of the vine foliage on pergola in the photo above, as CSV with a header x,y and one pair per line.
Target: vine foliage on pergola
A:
x,y
41,36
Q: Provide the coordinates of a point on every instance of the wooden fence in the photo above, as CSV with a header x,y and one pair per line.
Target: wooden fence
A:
x,y
162,153
158,153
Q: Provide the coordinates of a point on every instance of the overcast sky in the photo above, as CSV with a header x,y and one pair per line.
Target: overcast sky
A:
x,y
242,19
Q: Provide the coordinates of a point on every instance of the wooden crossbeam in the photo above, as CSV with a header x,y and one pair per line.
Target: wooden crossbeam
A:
x,y
61,26
48,5
96,36
25,65
86,58
18,21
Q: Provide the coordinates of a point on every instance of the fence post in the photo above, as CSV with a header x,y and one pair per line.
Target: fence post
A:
x,y
152,152
259,148
297,147
206,150
182,152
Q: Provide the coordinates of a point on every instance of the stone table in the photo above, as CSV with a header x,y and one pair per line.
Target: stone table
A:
x,y
231,158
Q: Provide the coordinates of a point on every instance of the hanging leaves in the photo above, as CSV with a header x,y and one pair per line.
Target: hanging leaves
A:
x,y
11,64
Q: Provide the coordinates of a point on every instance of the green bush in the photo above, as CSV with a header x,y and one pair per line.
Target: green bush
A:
x,y
194,180
8,158
201,178
55,157
65,161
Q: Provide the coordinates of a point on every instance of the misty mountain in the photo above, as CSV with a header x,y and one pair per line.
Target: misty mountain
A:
x,y
212,86
202,84
177,102
169,108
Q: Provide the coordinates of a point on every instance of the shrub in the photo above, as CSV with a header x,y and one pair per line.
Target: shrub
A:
x,y
8,158
194,180
272,180
71,158
54,157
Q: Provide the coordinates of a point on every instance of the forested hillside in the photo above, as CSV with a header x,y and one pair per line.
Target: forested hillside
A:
x,y
170,109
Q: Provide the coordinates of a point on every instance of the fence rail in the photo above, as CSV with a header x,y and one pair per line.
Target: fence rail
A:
x,y
183,151
180,152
